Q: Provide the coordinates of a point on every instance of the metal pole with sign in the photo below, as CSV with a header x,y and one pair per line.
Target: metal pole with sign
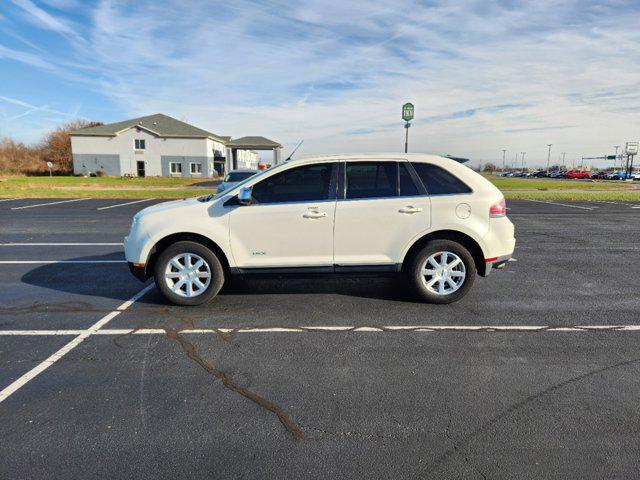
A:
x,y
50,165
407,116
631,149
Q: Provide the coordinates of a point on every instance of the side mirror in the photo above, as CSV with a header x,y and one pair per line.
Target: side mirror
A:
x,y
244,196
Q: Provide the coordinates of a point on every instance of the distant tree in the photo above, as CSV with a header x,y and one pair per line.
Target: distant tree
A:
x,y
17,158
489,167
56,146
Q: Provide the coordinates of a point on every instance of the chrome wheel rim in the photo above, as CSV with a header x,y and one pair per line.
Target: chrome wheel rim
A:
x,y
443,273
187,275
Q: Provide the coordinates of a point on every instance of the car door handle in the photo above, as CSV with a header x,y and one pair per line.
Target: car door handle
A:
x,y
410,209
315,214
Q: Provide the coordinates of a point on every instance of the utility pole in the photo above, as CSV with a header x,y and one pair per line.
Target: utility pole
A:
x,y
504,153
548,156
563,155
523,153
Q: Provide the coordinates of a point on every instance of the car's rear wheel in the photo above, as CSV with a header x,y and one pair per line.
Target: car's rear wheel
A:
x,y
188,273
443,271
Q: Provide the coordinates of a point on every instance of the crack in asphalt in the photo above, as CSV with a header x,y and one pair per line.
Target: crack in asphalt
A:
x,y
192,352
466,439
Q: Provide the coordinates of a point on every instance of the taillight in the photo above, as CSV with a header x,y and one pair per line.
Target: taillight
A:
x,y
498,209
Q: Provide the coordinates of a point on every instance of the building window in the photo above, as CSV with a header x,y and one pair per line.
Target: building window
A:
x,y
175,168
196,168
140,144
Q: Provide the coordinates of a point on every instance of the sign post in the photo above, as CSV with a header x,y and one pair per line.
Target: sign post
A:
x,y
50,165
631,149
407,116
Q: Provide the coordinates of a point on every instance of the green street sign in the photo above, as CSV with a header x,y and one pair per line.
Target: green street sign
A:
x,y
407,112
611,157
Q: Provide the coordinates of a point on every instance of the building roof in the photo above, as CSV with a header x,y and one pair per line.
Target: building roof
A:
x,y
159,124
253,143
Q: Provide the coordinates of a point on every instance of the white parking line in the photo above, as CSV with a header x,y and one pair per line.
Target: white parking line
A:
x,y
38,369
11,199
337,328
608,202
51,203
17,244
560,204
46,262
128,203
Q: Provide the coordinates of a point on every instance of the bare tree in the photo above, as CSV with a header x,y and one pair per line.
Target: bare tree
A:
x,y
56,146
489,167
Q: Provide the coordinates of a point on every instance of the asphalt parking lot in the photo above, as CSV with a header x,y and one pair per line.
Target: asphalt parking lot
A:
x,y
533,375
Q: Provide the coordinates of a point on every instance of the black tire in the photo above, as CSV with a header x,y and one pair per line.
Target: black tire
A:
x,y
416,279
211,259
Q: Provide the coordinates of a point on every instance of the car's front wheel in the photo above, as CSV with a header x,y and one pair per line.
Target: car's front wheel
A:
x,y
443,271
188,273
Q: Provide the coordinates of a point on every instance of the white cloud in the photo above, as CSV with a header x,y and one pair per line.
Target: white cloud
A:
x,y
46,20
322,69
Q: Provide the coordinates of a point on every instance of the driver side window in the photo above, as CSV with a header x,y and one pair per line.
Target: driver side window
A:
x,y
300,184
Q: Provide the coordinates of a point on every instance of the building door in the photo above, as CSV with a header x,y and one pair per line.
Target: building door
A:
x,y
140,164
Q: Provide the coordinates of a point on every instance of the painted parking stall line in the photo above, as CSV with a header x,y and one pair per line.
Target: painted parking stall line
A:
x,y
49,262
61,244
337,329
10,199
41,367
560,204
50,203
128,203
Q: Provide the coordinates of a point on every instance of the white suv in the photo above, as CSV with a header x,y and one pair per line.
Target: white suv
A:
x,y
428,217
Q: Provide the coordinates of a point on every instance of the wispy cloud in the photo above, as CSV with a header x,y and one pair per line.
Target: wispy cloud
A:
x,y
484,75
44,19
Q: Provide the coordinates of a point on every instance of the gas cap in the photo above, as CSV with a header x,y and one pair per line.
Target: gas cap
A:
x,y
463,210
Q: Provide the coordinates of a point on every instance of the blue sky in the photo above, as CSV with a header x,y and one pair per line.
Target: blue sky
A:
x,y
483,75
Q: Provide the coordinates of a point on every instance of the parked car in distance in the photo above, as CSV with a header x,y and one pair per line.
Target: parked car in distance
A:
x,y
429,218
577,174
635,176
616,176
557,174
234,177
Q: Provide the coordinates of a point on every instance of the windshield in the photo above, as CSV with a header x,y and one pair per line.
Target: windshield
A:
x,y
238,176
252,176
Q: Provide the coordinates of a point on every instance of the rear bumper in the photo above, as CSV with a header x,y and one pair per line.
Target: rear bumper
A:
x,y
498,264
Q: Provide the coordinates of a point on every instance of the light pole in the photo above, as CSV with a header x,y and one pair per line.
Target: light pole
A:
x,y
614,160
548,156
523,153
504,153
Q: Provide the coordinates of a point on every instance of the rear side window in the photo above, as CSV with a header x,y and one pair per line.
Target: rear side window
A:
x,y
371,179
306,183
438,181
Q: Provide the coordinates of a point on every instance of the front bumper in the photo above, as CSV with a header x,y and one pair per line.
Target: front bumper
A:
x,y
138,271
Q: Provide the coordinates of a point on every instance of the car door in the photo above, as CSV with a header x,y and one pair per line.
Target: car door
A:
x,y
381,207
289,222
